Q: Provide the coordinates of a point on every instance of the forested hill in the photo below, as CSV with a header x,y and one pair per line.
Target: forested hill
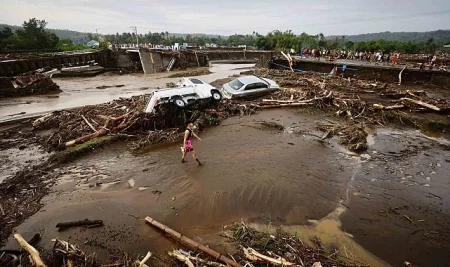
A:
x,y
62,34
438,36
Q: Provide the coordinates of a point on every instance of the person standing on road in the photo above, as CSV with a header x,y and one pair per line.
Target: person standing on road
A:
x,y
433,60
188,145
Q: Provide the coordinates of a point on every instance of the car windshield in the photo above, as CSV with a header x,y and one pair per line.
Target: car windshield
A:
x,y
236,84
196,81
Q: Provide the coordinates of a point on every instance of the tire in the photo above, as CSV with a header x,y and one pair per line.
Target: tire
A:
x,y
216,96
179,102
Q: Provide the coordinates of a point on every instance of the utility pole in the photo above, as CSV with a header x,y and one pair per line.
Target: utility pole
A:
x,y
135,32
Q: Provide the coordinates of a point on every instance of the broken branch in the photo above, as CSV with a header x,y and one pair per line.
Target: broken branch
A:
x,y
191,243
35,257
143,261
88,123
254,255
420,103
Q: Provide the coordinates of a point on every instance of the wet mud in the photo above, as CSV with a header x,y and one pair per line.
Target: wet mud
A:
x,y
383,207
400,204
261,175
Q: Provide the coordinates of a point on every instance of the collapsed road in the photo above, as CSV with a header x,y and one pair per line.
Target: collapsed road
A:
x,y
265,164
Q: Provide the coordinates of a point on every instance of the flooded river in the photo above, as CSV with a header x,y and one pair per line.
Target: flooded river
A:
x,y
83,91
381,208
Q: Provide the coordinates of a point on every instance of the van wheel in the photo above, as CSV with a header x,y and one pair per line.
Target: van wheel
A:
x,y
178,102
216,96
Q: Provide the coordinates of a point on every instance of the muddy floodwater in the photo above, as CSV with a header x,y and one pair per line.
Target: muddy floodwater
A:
x,y
383,207
83,91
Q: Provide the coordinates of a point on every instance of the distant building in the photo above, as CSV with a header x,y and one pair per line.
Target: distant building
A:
x,y
211,45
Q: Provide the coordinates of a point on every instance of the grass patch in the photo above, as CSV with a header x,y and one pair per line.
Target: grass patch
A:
x,y
438,125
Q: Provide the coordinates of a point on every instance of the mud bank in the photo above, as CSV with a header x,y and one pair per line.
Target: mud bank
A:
x,y
251,174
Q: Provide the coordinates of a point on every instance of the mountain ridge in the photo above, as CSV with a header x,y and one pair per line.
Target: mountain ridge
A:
x,y
438,35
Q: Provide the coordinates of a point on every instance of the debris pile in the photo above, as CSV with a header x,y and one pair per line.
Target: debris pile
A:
x,y
359,102
64,254
283,249
253,248
27,84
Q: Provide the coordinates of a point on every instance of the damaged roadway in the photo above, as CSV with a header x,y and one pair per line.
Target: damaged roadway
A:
x,y
298,174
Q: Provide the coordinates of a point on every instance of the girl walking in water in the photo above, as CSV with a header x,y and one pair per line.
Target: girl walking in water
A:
x,y
188,146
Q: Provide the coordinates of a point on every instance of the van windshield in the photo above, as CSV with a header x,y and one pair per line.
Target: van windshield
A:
x,y
236,84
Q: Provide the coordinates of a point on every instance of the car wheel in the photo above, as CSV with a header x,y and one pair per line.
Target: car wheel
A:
x,y
179,103
216,96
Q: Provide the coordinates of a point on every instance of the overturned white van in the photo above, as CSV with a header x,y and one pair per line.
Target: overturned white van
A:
x,y
187,92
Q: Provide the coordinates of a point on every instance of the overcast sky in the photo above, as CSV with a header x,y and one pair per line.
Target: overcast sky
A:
x,y
227,17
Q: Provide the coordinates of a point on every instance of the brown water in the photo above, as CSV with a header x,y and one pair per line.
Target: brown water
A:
x,y
83,91
268,178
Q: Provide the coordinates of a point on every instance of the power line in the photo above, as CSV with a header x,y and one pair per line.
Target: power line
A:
x,y
425,14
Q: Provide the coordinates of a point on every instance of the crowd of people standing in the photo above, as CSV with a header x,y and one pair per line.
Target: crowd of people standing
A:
x,y
368,56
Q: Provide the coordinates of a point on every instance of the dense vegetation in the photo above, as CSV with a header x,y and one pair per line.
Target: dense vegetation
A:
x,y
32,35
284,41
438,36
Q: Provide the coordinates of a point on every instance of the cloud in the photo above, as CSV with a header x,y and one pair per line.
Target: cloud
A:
x,y
228,17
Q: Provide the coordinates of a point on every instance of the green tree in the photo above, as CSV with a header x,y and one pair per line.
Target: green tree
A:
x,y
33,35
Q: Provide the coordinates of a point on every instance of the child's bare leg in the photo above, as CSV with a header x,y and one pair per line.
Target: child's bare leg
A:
x,y
194,155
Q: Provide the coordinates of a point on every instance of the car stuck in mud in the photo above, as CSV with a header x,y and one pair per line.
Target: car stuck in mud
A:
x,y
187,92
248,86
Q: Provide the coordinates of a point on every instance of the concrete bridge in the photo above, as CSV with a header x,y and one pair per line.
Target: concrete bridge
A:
x,y
135,60
17,66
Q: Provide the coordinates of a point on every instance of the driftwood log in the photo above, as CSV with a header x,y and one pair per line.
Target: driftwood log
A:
x,y
145,259
420,103
254,255
191,243
83,139
381,107
80,223
34,254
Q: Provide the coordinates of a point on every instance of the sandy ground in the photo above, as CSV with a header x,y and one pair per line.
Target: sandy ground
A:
x,y
265,177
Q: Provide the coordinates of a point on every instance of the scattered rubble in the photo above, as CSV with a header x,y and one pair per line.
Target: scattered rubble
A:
x,y
30,83
253,248
283,249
